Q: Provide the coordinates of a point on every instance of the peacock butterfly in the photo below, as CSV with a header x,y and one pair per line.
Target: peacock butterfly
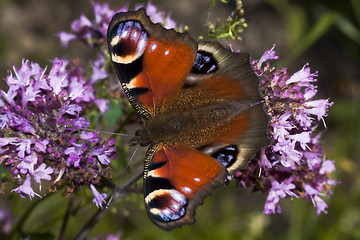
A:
x,y
203,112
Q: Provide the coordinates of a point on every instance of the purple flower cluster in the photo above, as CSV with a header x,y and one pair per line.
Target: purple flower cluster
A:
x,y
90,32
295,164
41,122
93,33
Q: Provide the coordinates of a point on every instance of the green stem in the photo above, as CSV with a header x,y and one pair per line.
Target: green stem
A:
x,y
211,8
66,218
121,191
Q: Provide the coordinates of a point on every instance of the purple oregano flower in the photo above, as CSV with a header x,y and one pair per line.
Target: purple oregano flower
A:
x,y
93,32
40,121
294,165
90,32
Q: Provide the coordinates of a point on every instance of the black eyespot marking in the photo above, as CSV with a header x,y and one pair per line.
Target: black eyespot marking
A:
x,y
160,202
227,155
204,63
166,206
124,48
128,39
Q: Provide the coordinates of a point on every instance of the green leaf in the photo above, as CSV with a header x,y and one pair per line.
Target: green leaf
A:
x,y
320,27
280,5
113,114
356,7
348,28
296,25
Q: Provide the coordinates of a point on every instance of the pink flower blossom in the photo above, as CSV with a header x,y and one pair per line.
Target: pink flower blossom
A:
x,y
294,164
99,198
25,189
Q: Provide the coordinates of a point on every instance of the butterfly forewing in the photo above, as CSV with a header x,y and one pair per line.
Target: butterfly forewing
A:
x,y
152,63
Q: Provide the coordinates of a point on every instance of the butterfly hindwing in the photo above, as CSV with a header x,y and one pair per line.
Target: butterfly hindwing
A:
x,y
176,180
152,62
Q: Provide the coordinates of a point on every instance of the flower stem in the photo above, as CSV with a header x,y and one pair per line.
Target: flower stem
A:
x,y
66,218
121,191
210,11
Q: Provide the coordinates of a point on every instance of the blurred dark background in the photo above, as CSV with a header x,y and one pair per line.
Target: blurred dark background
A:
x,y
324,33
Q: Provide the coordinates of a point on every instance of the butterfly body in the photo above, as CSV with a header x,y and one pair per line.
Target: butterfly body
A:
x,y
203,113
194,122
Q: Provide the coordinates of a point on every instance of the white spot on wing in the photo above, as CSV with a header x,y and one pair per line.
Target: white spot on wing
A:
x,y
153,46
166,212
176,195
124,33
123,60
186,190
142,44
152,172
114,41
166,52
175,206
155,211
197,179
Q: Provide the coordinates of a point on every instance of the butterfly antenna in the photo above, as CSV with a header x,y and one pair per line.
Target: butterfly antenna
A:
x,y
122,175
98,131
